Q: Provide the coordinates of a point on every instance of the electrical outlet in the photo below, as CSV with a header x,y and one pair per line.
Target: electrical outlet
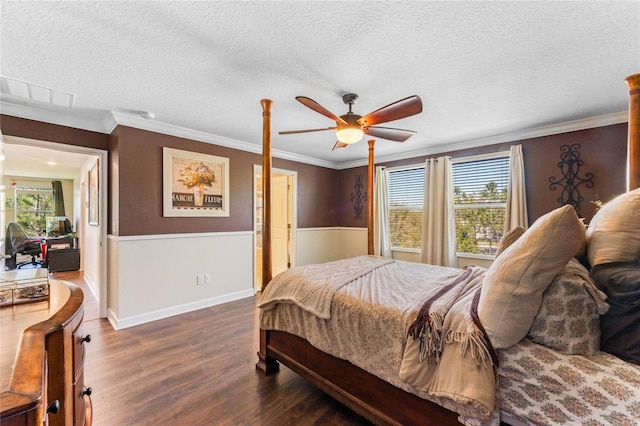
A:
x,y
207,278
200,279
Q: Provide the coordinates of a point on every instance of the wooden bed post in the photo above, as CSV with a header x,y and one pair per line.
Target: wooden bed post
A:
x,y
266,364
370,196
266,191
633,143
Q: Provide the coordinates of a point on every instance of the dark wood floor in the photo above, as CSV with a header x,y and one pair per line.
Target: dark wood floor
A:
x,y
197,369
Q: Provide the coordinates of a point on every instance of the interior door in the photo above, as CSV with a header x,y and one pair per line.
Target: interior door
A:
x,y
279,223
283,222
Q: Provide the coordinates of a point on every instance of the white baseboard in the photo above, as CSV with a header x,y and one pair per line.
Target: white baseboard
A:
x,y
120,323
92,286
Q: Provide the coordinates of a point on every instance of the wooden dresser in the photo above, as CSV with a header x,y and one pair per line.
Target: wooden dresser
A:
x,y
42,361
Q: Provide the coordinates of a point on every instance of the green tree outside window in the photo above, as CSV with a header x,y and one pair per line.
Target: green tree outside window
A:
x,y
32,210
480,219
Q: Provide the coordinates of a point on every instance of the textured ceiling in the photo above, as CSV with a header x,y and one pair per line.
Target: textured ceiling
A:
x,y
481,68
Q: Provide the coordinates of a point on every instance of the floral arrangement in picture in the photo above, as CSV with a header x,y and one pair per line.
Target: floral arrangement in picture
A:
x,y
197,175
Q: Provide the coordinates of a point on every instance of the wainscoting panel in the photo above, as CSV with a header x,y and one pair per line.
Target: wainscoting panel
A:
x,y
318,245
156,276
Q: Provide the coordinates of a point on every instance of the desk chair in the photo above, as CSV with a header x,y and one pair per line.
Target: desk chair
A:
x,y
17,242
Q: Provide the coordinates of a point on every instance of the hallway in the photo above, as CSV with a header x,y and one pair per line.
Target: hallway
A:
x,y
91,306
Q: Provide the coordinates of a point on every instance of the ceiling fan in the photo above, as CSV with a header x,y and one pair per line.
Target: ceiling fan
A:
x,y
350,127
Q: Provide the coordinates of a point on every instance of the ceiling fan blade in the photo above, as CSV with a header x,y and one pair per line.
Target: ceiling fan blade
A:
x,y
310,103
290,132
339,145
398,135
400,109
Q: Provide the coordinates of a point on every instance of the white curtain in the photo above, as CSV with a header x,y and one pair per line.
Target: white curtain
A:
x,y
516,214
438,221
381,238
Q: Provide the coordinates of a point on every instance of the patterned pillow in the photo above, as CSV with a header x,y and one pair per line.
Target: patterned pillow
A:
x,y
569,317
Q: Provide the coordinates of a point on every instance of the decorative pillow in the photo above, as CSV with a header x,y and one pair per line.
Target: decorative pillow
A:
x,y
620,326
509,238
569,318
513,286
614,232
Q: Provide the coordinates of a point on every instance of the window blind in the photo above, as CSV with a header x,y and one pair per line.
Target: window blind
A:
x,y
480,196
406,192
406,187
471,180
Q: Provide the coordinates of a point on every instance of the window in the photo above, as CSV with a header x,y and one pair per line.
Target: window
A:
x,y
32,206
480,201
406,192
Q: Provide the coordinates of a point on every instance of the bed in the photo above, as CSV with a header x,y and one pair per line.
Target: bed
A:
x,y
541,373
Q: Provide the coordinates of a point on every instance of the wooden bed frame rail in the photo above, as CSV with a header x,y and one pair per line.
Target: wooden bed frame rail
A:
x,y
374,399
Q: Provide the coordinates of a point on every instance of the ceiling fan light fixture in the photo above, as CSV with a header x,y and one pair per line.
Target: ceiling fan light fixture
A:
x,y
349,134
351,127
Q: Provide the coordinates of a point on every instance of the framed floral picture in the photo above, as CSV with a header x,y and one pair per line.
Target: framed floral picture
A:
x,y
194,184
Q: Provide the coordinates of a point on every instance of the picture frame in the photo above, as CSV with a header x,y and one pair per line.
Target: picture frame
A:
x,y
94,190
194,184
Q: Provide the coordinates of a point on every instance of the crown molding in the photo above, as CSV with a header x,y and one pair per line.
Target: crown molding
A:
x,y
109,123
138,122
115,118
553,129
61,118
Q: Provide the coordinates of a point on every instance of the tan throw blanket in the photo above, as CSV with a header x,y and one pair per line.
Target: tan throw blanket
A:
x,y
312,287
448,335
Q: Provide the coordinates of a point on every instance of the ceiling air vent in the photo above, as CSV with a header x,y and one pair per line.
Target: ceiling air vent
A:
x,y
35,92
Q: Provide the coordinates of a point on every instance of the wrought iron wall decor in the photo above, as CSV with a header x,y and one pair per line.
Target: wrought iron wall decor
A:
x,y
569,182
359,197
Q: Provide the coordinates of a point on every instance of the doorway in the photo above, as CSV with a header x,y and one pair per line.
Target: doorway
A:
x,y
76,161
283,221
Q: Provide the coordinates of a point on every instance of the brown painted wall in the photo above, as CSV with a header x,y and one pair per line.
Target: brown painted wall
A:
x,y
24,128
318,193
139,176
347,203
603,151
137,157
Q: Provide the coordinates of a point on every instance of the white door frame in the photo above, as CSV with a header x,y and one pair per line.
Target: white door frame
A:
x,y
102,208
293,211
